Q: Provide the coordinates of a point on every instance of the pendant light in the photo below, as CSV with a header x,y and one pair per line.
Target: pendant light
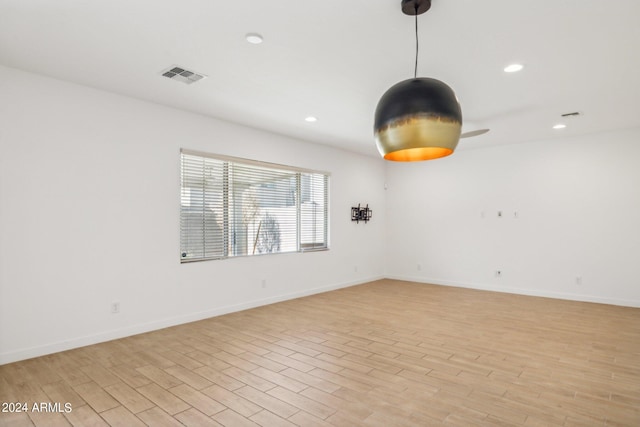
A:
x,y
420,118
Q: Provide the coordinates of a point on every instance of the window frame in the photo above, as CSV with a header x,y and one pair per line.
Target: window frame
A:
x,y
228,227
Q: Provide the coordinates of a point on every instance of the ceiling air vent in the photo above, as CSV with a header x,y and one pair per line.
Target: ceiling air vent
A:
x,y
183,75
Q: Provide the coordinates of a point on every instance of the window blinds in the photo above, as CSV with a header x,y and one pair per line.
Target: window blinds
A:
x,y
235,207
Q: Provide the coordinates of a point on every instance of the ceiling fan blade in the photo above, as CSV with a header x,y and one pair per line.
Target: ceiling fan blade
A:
x,y
474,133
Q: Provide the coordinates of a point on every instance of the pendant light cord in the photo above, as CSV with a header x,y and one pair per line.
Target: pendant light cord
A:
x,y
415,70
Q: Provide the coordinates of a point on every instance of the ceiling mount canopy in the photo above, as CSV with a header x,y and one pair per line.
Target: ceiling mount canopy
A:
x,y
420,118
415,7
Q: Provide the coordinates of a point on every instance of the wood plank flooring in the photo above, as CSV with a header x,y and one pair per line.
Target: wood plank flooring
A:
x,y
386,353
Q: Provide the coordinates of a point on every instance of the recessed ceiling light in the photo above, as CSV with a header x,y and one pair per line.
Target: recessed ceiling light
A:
x,y
560,126
513,68
311,119
254,38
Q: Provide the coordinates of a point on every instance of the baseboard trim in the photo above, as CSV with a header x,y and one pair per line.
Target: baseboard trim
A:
x,y
28,353
519,291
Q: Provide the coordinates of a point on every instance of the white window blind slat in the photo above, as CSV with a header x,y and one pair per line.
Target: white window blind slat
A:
x,y
201,209
313,211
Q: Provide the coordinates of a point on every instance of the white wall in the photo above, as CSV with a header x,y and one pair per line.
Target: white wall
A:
x,y
89,214
578,205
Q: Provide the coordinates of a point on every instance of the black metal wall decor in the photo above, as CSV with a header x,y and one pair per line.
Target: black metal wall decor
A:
x,y
361,214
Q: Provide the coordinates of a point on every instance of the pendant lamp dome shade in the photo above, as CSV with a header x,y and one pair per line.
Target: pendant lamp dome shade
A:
x,y
417,119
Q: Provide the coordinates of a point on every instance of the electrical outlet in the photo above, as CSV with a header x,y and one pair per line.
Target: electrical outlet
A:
x,y
419,267
578,280
355,268
115,307
498,273
264,283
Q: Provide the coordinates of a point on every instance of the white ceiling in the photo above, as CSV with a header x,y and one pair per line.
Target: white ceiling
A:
x,y
334,59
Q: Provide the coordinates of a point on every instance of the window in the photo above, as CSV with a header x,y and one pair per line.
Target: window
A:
x,y
235,207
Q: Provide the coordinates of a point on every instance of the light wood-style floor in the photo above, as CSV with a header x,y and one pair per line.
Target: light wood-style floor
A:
x,y
386,353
